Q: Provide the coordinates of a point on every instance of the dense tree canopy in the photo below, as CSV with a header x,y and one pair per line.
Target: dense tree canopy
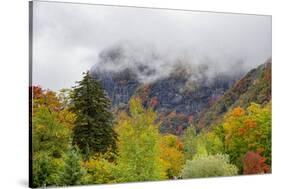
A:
x,y
79,138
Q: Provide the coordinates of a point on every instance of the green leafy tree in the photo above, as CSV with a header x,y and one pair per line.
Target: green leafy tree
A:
x,y
42,171
101,169
45,170
93,131
49,135
73,172
190,142
50,139
209,166
210,142
138,146
201,149
204,143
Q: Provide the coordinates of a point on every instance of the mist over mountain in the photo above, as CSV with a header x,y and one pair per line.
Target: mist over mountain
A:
x,y
179,87
220,39
150,64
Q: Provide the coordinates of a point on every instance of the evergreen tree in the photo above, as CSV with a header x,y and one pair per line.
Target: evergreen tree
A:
x,y
73,172
93,131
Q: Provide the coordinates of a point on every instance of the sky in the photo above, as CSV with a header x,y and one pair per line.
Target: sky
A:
x,y
69,39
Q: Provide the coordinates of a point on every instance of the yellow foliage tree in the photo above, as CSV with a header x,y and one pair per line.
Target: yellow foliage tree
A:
x,y
138,145
171,155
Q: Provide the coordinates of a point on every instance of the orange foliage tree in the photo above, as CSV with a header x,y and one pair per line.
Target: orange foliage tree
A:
x,y
171,155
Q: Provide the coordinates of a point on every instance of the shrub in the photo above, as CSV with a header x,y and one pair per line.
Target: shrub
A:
x,y
209,166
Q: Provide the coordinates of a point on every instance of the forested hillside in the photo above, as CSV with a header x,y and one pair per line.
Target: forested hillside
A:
x,y
255,87
111,129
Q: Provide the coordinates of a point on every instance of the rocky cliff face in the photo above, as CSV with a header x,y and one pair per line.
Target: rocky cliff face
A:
x,y
178,98
119,86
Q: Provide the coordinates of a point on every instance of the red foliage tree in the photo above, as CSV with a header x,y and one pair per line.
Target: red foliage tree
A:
x,y
37,92
153,102
254,163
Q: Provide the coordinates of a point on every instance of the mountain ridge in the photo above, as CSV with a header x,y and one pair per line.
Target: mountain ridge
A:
x,y
255,87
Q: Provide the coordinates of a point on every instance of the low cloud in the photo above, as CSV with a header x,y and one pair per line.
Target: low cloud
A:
x,y
72,38
150,64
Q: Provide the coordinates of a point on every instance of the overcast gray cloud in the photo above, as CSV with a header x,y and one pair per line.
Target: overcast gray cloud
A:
x,y
68,38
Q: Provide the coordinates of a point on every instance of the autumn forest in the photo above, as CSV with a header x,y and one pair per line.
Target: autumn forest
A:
x,y
79,138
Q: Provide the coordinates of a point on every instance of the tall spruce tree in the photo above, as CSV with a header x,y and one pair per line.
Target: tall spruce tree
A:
x,y
93,131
